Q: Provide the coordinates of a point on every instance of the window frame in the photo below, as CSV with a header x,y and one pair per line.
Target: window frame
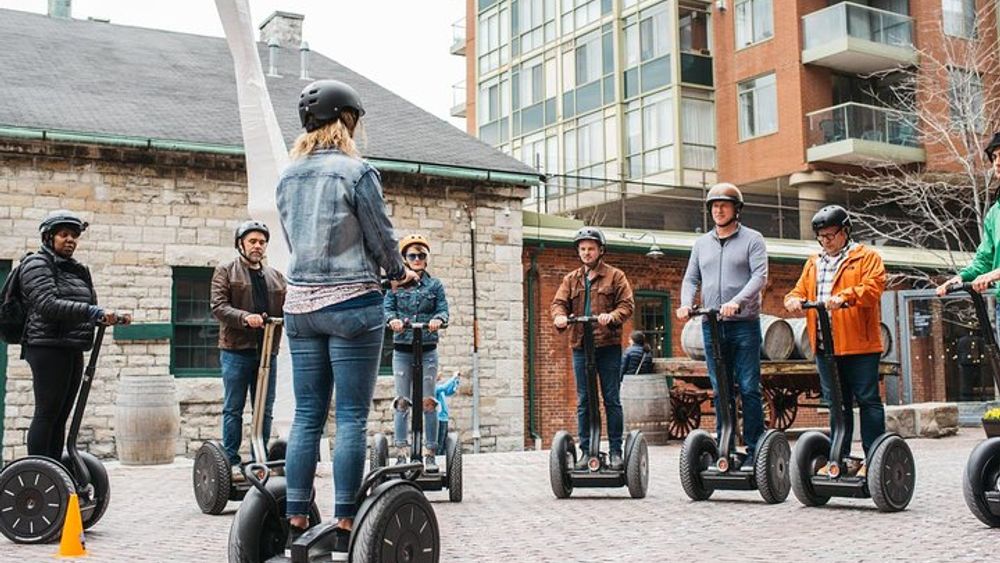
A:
x,y
191,273
964,25
756,113
752,23
667,335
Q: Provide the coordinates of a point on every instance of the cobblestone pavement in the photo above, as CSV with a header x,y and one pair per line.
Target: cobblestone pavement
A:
x,y
510,515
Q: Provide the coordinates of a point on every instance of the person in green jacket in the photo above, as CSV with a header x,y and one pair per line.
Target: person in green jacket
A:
x,y
985,266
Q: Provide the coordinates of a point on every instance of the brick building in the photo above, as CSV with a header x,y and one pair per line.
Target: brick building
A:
x,y
138,130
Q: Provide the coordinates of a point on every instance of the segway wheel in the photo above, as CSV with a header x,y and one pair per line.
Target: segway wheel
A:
x,y
637,465
378,454
399,527
811,453
453,465
697,454
982,475
102,487
771,469
561,459
892,475
34,497
212,478
257,533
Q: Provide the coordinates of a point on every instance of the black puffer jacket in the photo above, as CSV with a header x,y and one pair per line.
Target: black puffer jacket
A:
x,y
58,293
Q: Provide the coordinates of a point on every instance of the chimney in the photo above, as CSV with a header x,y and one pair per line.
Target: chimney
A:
x,y
283,27
62,9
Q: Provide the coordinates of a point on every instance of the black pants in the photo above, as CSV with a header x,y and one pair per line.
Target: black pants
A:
x,y
55,375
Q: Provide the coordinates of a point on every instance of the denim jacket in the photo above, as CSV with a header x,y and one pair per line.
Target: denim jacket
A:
x,y
419,303
334,217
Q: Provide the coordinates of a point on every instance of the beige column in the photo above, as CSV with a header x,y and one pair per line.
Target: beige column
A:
x,y
813,189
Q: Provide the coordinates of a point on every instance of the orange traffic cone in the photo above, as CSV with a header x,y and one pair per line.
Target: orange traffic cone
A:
x,y
72,543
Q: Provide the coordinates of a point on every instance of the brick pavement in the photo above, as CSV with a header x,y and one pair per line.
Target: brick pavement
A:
x,y
510,515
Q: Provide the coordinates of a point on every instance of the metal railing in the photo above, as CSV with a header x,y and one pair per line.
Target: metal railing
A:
x,y
852,120
458,37
848,19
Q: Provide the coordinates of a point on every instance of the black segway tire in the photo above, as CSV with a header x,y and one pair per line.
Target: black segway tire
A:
x,y
257,533
399,526
453,465
892,474
811,452
982,475
34,497
212,478
101,483
378,454
697,454
637,465
561,459
771,469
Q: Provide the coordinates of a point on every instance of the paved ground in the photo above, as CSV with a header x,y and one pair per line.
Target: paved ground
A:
x,y
510,515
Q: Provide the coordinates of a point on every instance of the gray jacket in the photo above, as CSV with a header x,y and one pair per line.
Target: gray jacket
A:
x,y
734,269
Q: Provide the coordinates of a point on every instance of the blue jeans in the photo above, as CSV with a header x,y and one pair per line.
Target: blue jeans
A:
x,y
402,370
740,343
609,365
239,375
858,382
333,353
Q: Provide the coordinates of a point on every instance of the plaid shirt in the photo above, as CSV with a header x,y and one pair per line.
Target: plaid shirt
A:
x,y
826,270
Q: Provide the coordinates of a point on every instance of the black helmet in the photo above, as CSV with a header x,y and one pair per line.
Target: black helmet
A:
x,y
248,226
992,146
322,101
590,233
61,218
725,192
831,216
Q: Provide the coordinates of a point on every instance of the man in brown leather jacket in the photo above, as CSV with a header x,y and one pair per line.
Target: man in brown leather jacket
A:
x,y
244,291
596,288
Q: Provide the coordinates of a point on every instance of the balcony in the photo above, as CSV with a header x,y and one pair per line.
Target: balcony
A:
x,y
860,134
458,38
696,69
458,99
857,39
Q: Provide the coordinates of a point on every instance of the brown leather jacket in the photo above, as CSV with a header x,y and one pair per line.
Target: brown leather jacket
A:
x,y
232,303
610,293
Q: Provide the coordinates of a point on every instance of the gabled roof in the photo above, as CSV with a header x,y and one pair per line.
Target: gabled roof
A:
x,y
100,78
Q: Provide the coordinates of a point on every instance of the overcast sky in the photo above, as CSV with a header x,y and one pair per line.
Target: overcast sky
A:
x,y
401,44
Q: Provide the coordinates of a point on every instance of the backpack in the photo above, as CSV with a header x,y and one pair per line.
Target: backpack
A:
x,y
13,311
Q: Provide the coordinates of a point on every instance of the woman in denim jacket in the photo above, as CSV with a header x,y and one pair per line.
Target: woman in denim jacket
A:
x,y
335,220
422,302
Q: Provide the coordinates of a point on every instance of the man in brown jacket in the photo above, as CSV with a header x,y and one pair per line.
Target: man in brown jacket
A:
x,y
596,288
244,291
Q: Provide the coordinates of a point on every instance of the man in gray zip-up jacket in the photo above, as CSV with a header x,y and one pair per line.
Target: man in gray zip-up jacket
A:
x,y
729,267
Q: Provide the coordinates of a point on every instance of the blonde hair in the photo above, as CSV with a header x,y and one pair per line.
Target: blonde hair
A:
x,y
338,134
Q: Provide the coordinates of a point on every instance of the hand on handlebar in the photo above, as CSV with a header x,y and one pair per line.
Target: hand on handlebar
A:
x,y
113,318
561,321
729,309
793,305
835,302
683,313
943,288
434,324
396,325
604,319
983,282
254,321
410,277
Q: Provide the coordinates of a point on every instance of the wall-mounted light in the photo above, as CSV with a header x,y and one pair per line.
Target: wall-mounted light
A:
x,y
654,251
720,5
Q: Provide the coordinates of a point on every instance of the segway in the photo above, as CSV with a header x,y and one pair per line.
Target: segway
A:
x,y
563,474
981,479
707,465
35,490
891,474
213,480
447,477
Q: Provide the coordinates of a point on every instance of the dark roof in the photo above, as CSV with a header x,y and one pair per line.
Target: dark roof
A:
x,y
95,77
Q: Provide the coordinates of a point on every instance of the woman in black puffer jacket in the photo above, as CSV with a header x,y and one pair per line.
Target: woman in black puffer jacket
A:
x,y
61,314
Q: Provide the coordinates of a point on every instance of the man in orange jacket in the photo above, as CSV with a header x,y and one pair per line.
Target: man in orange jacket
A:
x,y
849,277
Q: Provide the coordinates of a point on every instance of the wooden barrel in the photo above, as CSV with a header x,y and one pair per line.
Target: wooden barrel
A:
x,y
646,404
147,420
692,341
803,347
777,338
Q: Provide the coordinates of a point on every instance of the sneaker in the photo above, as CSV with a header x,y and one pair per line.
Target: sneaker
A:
x,y
293,534
862,471
581,463
342,541
616,463
402,454
824,471
852,467
236,473
747,465
430,463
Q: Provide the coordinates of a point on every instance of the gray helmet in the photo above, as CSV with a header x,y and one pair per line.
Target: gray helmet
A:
x,y
590,233
61,218
725,192
322,101
831,216
248,226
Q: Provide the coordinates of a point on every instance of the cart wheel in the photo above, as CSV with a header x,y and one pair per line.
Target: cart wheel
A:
x,y
212,477
892,475
771,469
982,475
637,465
781,406
34,496
811,452
561,459
257,533
399,526
453,464
102,486
698,453
685,415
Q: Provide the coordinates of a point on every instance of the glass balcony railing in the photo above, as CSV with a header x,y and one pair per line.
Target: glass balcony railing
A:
x,y
696,69
848,19
859,121
458,38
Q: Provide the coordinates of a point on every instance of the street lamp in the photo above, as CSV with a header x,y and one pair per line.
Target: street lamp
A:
x,y
654,251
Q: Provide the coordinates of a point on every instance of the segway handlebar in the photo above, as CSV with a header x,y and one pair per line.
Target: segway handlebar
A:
x,y
120,319
698,312
273,320
407,323
582,319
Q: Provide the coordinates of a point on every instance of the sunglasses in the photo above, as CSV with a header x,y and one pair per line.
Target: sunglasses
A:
x,y
416,256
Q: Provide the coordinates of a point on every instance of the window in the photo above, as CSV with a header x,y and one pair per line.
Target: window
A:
x,y
754,22
965,98
758,107
959,17
588,73
494,107
649,135
585,151
534,24
647,51
698,133
577,14
652,318
194,349
493,39
541,153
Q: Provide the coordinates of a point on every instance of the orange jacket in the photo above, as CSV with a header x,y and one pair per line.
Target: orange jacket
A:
x,y
859,281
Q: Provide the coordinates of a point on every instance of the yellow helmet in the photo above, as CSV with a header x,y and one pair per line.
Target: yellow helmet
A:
x,y
410,240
